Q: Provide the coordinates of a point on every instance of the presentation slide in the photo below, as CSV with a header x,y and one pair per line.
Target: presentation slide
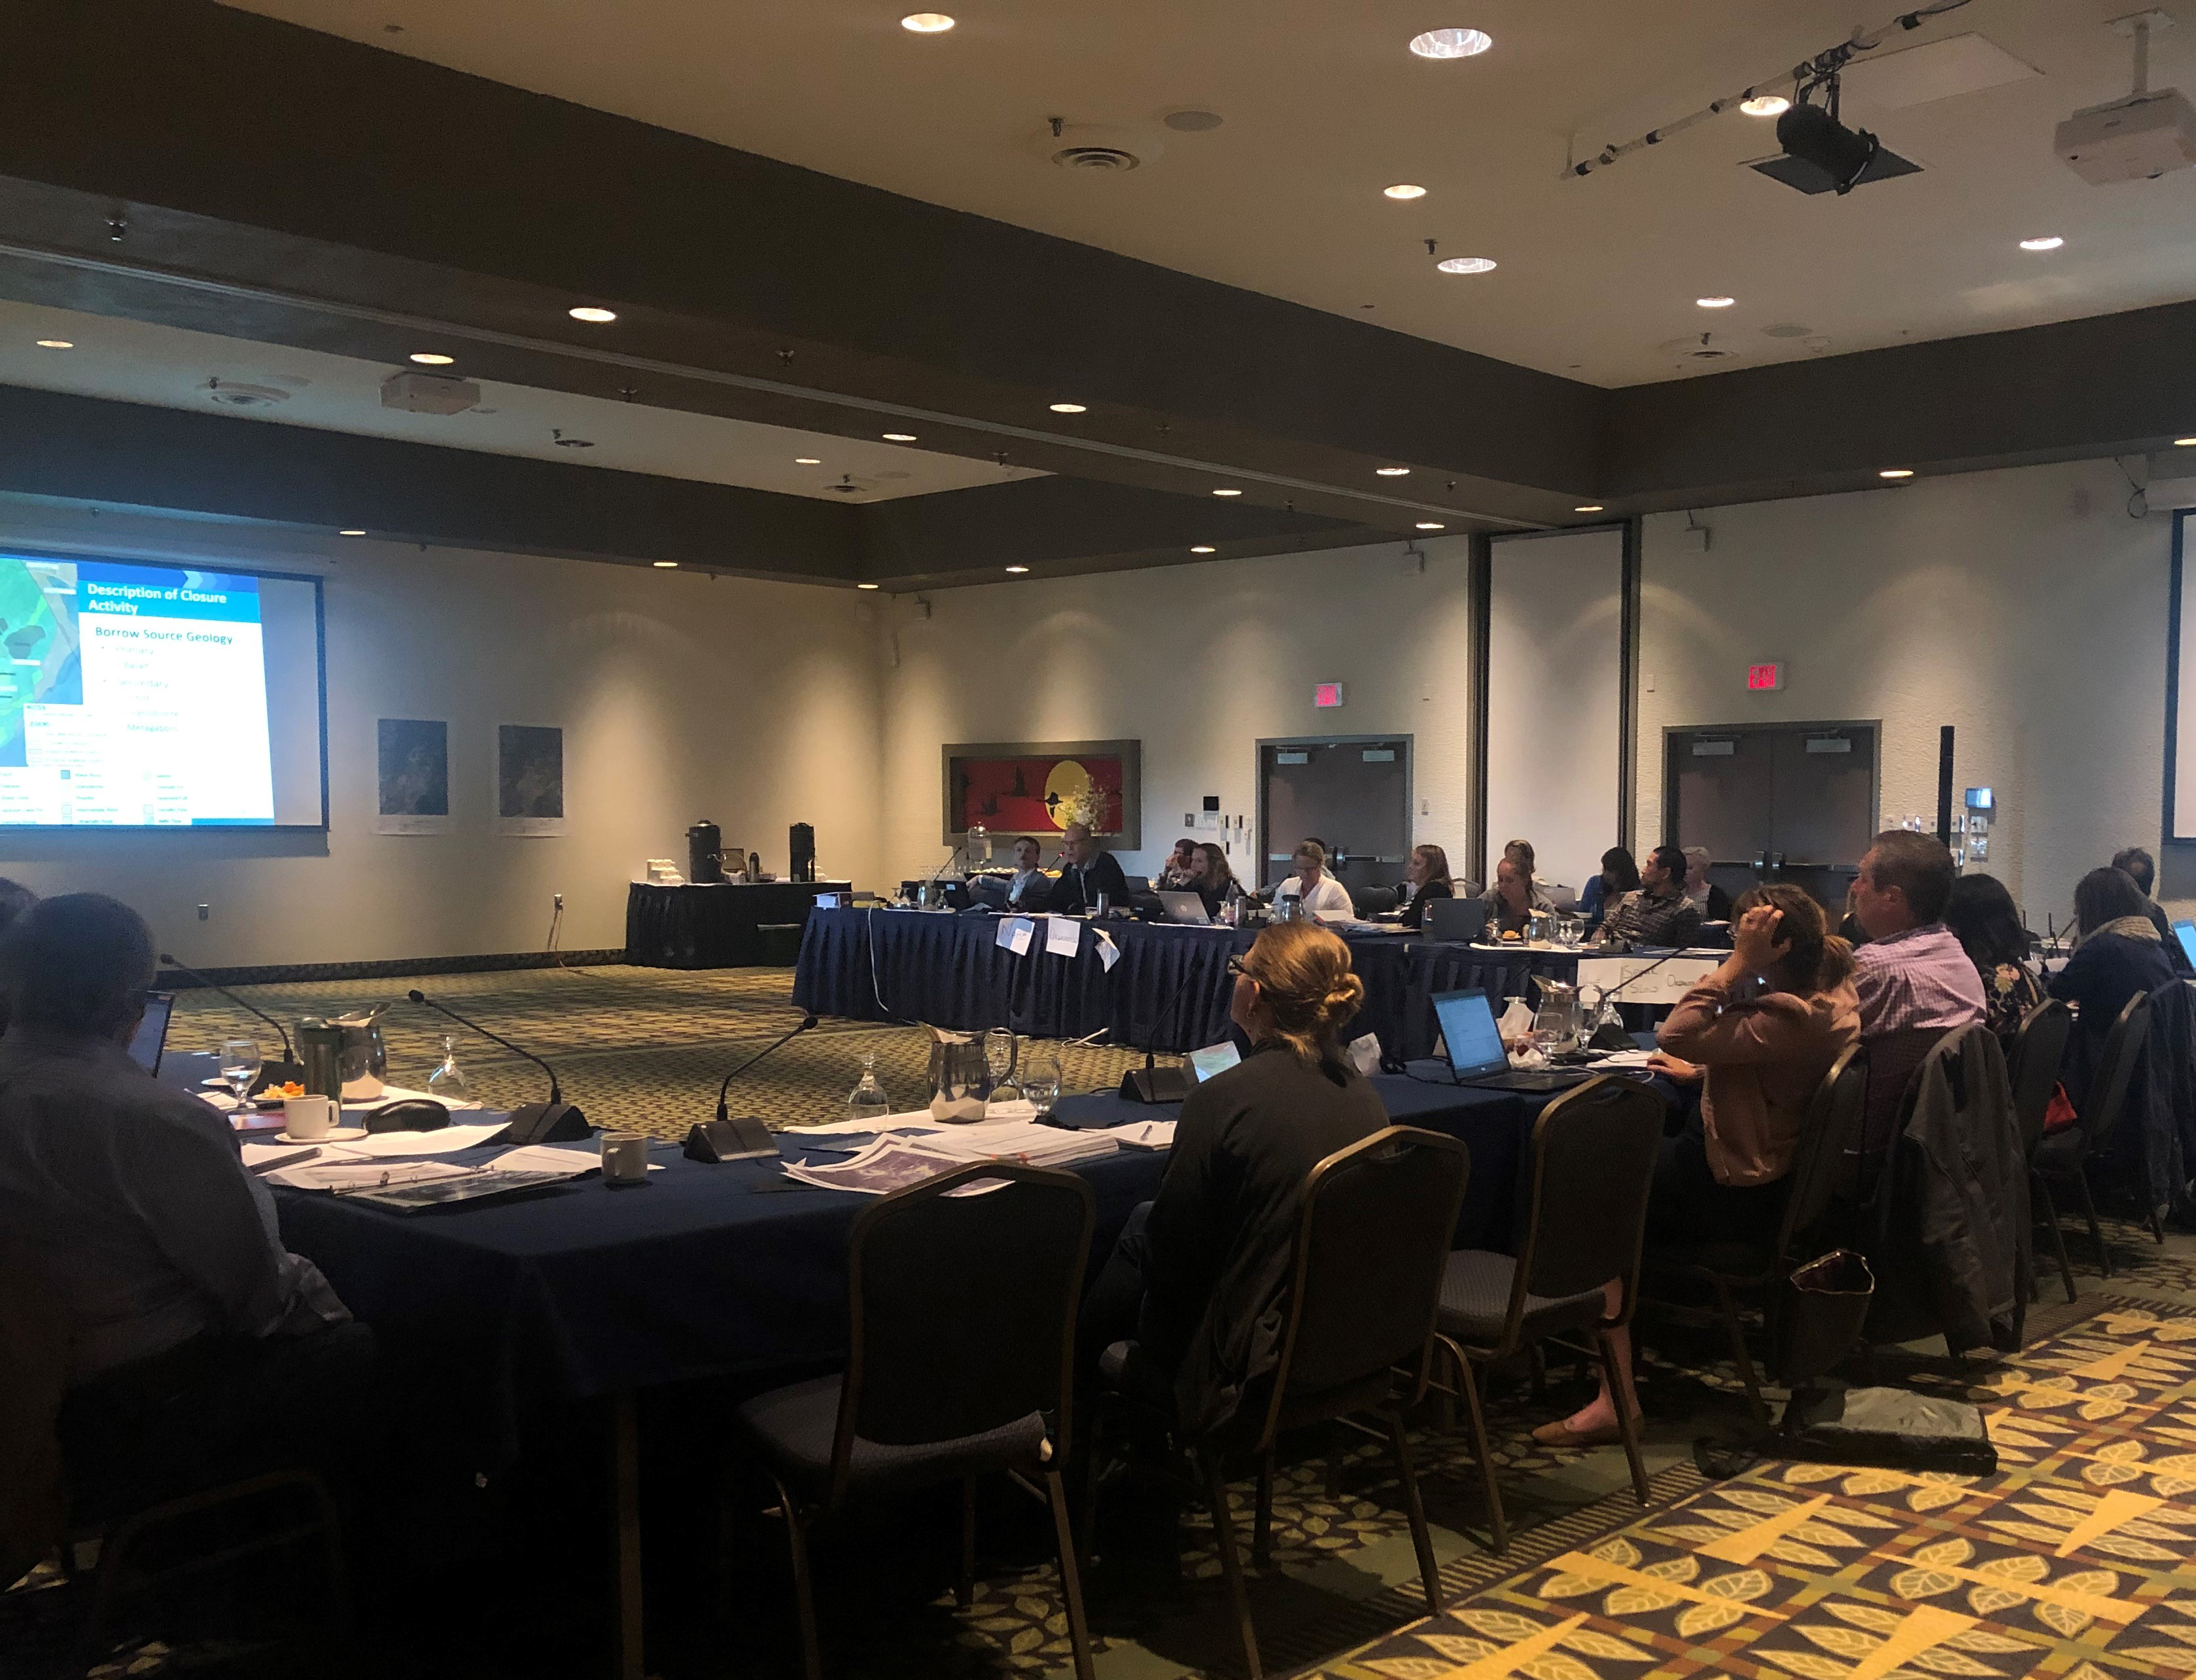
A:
x,y
157,696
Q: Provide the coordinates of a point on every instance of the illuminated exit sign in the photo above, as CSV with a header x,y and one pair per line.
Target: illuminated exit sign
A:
x,y
1326,694
1760,679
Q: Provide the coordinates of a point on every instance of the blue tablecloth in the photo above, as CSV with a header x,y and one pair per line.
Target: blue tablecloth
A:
x,y
951,971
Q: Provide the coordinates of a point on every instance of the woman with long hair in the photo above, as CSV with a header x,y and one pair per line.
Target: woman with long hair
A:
x,y
1214,880
1756,1037
1619,876
1983,917
1429,876
1199,1269
2119,955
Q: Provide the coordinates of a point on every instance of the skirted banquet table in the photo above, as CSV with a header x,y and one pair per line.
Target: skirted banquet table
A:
x,y
1153,986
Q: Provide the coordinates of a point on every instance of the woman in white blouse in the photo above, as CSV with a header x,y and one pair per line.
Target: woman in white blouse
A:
x,y
1322,894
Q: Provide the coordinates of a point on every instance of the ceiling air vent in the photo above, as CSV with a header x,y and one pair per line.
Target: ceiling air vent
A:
x,y
1114,158
231,395
1101,148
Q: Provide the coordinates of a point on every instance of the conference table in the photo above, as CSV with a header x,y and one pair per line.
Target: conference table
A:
x,y
584,1293
1159,986
725,924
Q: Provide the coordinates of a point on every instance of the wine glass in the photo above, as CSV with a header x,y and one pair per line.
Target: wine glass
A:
x,y
239,1064
447,1084
868,1100
1041,1083
999,1056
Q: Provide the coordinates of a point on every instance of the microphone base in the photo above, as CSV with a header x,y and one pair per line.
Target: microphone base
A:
x,y
278,1073
1155,1084
742,1138
1606,1037
547,1123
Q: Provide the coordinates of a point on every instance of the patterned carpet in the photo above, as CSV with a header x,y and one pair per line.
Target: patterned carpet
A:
x,y
2099,1412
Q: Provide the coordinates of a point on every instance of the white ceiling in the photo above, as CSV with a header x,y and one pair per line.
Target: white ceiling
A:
x,y
134,361
1323,106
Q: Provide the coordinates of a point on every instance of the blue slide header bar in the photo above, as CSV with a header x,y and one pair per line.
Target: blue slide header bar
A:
x,y
165,592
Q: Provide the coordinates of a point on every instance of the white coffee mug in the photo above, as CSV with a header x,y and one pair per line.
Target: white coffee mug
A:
x,y
309,1116
625,1157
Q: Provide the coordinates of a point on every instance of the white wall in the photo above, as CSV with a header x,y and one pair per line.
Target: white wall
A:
x,y
2022,607
1199,662
752,704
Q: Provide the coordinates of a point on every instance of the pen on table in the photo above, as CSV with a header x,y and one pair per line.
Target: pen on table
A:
x,y
282,1161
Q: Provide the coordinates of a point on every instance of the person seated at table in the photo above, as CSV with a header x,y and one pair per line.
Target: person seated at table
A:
x,y
1200,1271
1179,872
2119,953
196,1346
1087,870
1711,900
1513,901
1755,1057
1657,912
1619,876
1215,881
1322,894
1031,886
1980,913
2142,869
1914,980
1428,876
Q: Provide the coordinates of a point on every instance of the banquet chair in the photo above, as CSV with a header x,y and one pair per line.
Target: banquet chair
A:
x,y
961,1340
1373,1226
2063,1157
1830,1128
1592,1165
2038,1048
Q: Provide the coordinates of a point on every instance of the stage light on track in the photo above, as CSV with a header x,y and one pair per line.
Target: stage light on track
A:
x,y
1814,136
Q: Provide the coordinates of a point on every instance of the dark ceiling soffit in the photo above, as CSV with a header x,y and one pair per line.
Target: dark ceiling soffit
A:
x,y
354,147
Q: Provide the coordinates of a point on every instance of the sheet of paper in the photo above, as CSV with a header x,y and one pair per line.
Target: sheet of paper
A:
x,y
543,1157
1022,1110
1063,935
362,1174
1108,952
1015,934
391,1094
1145,1134
446,1142
1364,1053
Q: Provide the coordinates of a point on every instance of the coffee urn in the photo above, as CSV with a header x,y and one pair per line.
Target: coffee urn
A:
x,y
802,851
705,853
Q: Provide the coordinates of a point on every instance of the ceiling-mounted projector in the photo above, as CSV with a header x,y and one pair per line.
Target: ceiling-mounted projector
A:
x,y
2136,139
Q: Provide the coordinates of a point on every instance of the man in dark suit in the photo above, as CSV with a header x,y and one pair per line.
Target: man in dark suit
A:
x,y
1086,871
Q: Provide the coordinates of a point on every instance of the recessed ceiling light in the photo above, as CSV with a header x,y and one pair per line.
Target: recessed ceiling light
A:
x,y
2184,442
1018,569
56,343
1587,507
1765,105
2048,242
432,358
1431,525
664,565
899,437
1227,493
927,23
1203,548
1715,302
1403,189
1451,42
1393,472
807,460
868,586
1069,408
1896,472
589,312
1466,265
351,534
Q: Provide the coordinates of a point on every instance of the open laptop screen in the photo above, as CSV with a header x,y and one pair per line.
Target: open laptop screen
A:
x,y
1468,1029
2185,932
152,1031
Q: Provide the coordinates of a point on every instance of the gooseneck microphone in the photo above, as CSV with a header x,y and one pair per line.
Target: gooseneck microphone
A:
x,y
283,1072
746,1139
555,1121
1151,1082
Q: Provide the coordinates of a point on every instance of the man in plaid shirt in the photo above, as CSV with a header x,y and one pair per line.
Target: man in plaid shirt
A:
x,y
1658,913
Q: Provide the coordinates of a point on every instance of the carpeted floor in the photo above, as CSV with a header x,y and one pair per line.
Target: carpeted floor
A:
x,y
2090,1412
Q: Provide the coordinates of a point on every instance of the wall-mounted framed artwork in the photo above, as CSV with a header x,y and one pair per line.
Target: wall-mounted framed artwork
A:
x,y
1040,787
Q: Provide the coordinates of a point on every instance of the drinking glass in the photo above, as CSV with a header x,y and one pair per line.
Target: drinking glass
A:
x,y
1041,1083
447,1084
868,1100
999,1055
239,1064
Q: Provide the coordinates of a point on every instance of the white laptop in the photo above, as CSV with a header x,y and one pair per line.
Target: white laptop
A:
x,y
1187,907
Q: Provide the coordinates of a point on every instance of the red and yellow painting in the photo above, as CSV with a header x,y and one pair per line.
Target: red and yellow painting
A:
x,y
1038,795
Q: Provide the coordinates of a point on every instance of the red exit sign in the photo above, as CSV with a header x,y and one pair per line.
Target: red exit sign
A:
x,y
1325,695
1762,678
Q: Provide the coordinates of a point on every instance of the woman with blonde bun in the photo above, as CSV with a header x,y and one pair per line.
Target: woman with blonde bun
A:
x,y
1200,1275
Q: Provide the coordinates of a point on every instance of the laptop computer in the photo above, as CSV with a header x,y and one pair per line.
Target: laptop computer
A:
x,y
2185,932
1462,919
1185,908
1214,1058
152,1040
1475,1054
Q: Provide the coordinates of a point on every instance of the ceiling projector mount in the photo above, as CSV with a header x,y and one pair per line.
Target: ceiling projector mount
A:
x,y
1821,155
2138,138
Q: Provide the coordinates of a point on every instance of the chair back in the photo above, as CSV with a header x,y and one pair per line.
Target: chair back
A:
x,y
1831,1130
2116,1066
2038,1048
963,1309
1592,1163
1372,900
33,1379
1373,1231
